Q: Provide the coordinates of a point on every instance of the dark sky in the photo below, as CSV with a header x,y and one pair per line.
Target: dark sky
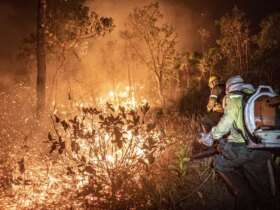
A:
x,y
255,9
16,21
18,17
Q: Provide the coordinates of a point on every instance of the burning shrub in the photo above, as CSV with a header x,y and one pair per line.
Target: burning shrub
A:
x,y
111,149
113,156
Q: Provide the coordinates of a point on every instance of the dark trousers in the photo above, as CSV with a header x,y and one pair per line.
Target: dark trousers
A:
x,y
247,170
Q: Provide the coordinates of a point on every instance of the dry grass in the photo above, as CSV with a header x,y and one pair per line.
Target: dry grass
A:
x,y
34,178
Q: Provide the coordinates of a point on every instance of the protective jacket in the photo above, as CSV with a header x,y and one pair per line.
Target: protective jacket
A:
x,y
232,123
215,99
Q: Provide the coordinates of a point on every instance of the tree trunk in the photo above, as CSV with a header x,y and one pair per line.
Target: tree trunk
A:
x,y
129,76
160,91
41,56
188,78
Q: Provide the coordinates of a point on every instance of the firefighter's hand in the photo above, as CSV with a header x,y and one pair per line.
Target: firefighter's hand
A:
x,y
210,107
211,104
218,108
206,139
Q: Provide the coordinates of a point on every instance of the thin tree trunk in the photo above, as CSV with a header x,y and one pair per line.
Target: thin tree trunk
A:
x,y
131,91
129,78
188,78
160,92
41,56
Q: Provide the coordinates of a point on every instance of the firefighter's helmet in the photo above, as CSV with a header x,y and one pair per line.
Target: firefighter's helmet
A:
x,y
234,83
213,80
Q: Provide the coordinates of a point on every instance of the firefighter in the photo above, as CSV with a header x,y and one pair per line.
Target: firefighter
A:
x,y
235,162
217,92
214,106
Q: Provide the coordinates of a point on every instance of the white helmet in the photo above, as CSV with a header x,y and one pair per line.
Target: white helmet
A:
x,y
236,83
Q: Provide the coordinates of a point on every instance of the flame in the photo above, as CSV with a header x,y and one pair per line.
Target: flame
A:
x,y
55,181
125,97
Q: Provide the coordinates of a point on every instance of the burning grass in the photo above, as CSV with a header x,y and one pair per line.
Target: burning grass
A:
x,y
111,148
106,156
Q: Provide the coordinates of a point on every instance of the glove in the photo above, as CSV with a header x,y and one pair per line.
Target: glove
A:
x,y
206,139
210,105
218,108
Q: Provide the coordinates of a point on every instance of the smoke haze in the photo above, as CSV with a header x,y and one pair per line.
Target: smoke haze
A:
x,y
18,19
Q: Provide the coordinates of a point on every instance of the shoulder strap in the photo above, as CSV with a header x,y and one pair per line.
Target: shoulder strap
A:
x,y
246,134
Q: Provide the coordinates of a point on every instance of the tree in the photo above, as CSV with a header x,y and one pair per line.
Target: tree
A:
x,y
65,28
210,62
266,58
235,41
154,44
41,56
269,36
204,36
71,23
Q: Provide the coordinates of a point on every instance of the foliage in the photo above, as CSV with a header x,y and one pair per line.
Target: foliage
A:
x,y
181,168
269,36
113,157
70,24
112,149
238,51
158,49
194,100
209,64
266,63
204,37
38,179
234,41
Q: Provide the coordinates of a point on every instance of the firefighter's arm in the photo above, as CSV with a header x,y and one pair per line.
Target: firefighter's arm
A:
x,y
213,104
226,122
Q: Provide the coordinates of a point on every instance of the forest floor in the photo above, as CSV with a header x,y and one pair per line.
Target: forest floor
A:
x,y
33,178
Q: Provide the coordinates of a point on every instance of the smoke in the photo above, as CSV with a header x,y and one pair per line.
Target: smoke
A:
x,y
106,62
185,20
106,66
17,20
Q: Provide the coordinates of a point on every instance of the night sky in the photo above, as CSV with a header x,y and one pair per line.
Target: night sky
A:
x,y
18,17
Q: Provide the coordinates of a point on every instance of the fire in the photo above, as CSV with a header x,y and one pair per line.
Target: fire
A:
x,y
104,142
125,96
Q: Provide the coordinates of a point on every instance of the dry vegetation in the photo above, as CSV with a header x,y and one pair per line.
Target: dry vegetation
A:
x,y
117,151
100,158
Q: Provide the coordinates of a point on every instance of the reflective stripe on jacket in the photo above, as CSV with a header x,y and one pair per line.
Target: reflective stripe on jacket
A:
x,y
216,98
231,123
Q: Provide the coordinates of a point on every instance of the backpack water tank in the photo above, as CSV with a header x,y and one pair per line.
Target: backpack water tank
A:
x,y
262,119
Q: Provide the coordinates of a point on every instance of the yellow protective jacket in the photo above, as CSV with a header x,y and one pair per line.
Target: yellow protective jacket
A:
x,y
215,99
232,123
